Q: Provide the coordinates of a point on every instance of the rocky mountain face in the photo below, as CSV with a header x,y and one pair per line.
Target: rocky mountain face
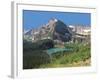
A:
x,y
62,32
54,29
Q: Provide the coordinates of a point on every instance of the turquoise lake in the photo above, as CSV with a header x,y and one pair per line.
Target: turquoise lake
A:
x,y
54,50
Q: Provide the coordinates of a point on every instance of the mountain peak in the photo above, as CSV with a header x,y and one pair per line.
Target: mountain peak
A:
x,y
54,29
53,20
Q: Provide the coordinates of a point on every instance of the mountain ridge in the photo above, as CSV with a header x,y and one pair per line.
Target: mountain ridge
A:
x,y
55,29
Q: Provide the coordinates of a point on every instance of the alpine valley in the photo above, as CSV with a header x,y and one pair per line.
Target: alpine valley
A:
x,y
56,44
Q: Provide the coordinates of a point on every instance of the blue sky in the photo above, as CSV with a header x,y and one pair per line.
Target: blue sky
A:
x,y
34,19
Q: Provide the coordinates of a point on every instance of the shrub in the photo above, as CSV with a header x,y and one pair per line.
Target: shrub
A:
x,y
34,54
38,45
33,59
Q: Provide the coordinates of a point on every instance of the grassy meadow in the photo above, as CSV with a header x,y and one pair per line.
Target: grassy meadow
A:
x,y
36,56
